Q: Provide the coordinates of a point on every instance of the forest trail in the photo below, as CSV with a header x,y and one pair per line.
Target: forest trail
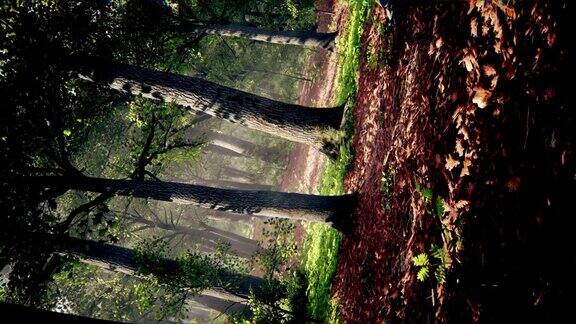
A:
x,y
305,164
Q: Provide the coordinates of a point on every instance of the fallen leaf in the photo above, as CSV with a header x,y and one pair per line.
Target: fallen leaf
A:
x,y
494,82
481,97
461,204
439,42
489,70
513,184
451,163
470,62
474,27
551,39
459,147
465,171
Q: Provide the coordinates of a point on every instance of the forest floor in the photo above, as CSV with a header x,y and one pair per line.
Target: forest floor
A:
x,y
464,156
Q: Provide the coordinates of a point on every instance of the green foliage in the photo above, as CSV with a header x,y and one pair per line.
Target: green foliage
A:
x,y
319,261
425,193
319,258
150,254
194,272
421,260
424,264
350,47
373,58
91,292
280,246
282,298
334,171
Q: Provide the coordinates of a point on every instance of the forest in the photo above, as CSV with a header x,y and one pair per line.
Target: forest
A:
x,y
287,161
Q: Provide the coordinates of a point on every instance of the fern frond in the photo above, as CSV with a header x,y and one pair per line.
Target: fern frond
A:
x,y
421,260
423,273
440,274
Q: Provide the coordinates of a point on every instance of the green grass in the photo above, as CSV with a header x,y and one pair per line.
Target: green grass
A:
x,y
350,47
320,256
320,253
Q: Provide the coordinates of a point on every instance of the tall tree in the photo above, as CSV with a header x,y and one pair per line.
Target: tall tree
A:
x,y
333,210
317,127
310,39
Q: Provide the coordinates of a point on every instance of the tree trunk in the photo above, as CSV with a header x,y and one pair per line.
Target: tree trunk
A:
x,y
237,185
205,236
239,146
237,174
334,210
238,179
314,126
25,314
121,259
310,39
219,150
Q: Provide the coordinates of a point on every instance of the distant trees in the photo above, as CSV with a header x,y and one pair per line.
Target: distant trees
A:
x,y
229,145
207,237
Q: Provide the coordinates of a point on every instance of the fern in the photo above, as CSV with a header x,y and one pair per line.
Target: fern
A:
x,y
437,252
421,260
440,274
439,208
423,273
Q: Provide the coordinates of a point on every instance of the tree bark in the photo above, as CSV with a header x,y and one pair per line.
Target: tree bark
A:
x,y
309,39
334,210
237,185
313,126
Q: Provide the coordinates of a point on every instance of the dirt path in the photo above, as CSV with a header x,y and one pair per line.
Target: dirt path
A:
x,y
475,117
305,164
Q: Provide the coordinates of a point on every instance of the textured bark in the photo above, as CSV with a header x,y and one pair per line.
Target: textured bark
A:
x,y
334,210
309,39
237,185
314,126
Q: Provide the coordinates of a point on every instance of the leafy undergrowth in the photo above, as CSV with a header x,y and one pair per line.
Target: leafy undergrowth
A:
x,y
320,253
350,47
461,166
